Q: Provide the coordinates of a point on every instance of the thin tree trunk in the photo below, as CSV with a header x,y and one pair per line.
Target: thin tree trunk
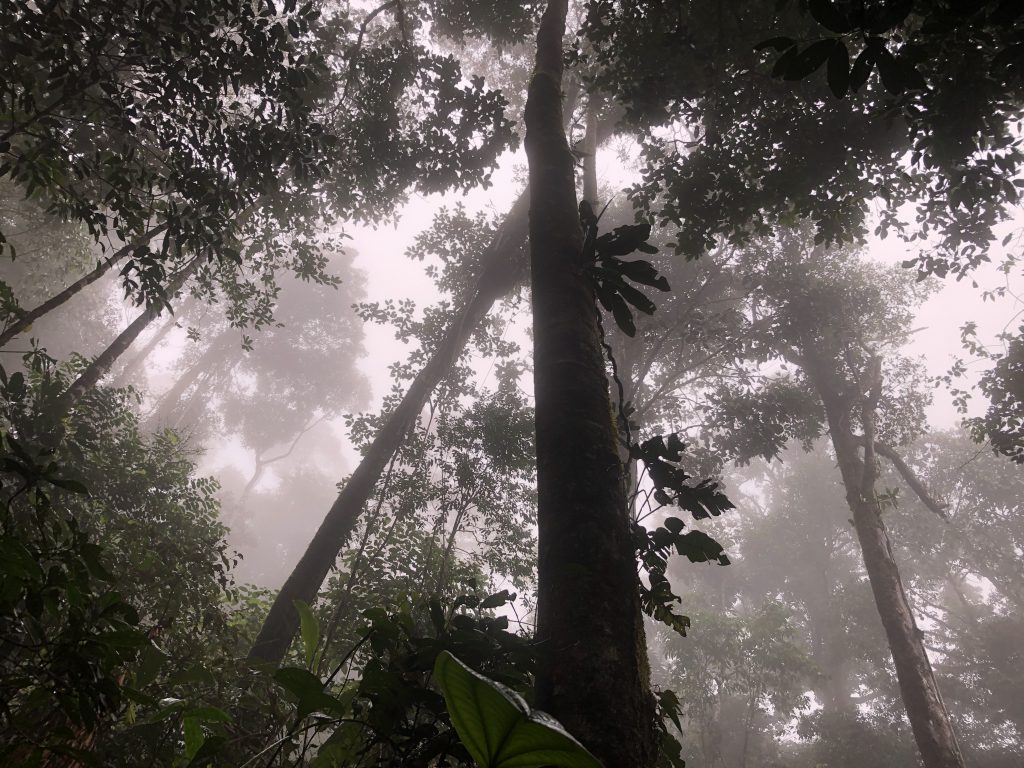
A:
x,y
143,354
929,720
25,321
502,270
170,399
99,367
129,368
592,673
590,152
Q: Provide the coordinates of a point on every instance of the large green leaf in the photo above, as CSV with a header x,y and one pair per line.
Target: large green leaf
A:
x,y
309,630
498,728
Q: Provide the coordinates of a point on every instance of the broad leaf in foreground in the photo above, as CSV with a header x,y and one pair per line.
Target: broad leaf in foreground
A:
x,y
498,728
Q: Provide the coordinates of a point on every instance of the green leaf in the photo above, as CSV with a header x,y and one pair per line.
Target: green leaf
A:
x,y
309,692
122,638
169,707
194,736
614,303
150,661
637,299
16,386
777,43
698,547
309,630
643,272
674,524
209,715
497,599
498,728
69,485
861,69
808,60
891,72
784,61
623,240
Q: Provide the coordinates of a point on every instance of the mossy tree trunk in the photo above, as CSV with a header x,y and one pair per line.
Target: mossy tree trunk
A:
x,y
592,672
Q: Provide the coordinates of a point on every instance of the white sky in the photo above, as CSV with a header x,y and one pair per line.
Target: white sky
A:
x,y
381,253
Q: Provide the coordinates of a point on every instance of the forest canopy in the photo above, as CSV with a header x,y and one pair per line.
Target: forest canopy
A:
x,y
453,383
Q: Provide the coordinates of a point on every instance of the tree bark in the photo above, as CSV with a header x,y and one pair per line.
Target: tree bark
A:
x,y
25,321
592,673
102,364
502,269
929,720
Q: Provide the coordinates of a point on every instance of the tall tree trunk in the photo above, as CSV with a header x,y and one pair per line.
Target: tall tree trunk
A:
x,y
829,649
929,720
592,673
25,321
99,367
501,271
503,266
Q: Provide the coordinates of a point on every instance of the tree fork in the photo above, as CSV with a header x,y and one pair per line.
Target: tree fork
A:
x,y
929,720
592,672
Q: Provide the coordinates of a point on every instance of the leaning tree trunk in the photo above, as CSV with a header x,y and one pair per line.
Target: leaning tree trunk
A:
x,y
592,673
24,322
102,364
502,269
929,720
503,266
216,352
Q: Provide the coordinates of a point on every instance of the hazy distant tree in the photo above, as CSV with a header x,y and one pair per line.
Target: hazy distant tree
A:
x,y
965,576
268,388
48,255
832,320
741,674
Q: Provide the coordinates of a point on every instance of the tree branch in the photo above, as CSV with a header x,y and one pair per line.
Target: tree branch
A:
x,y
909,478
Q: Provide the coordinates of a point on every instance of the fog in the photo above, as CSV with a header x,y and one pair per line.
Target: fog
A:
x,y
823,512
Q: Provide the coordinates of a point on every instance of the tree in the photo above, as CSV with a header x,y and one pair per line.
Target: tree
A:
x,y
962,133
497,277
831,320
741,674
257,122
965,580
111,542
588,615
52,253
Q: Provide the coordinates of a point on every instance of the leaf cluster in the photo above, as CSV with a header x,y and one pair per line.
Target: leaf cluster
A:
x,y
610,272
